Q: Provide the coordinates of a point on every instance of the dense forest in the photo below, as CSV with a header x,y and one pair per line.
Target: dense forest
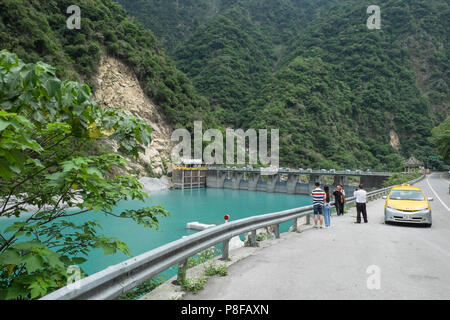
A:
x,y
37,31
342,95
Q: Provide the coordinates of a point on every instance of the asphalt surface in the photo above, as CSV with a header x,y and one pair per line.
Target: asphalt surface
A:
x,y
349,261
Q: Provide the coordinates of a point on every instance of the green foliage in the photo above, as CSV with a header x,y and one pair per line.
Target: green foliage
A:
x,y
399,178
213,269
201,257
263,236
45,127
37,31
193,285
337,91
34,268
176,19
343,90
441,138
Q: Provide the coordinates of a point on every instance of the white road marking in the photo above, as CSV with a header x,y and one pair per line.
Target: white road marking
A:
x,y
437,195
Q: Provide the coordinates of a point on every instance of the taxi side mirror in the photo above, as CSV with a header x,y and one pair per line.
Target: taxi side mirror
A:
x,y
430,199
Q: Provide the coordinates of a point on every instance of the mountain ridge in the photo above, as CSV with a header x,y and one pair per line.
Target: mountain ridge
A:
x,y
391,94
341,95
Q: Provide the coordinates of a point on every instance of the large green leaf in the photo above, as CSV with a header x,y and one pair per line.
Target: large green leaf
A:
x,y
32,262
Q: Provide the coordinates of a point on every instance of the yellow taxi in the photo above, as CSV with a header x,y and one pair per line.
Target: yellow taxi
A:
x,y
407,204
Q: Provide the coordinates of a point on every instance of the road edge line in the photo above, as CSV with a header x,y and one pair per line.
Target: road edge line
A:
x,y
428,182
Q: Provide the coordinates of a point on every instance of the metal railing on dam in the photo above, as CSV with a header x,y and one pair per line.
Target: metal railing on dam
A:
x,y
305,171
283,180
119,279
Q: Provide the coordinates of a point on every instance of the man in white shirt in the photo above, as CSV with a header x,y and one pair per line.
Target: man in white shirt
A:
x,y
361,199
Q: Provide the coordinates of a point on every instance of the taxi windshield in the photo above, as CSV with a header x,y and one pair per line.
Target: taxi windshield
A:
x,y
416,195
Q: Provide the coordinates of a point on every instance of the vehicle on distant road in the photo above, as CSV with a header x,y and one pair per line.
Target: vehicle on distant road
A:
x,y
333,170
309,170
407,204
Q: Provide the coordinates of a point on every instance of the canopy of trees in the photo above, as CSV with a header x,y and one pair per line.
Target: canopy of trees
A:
x,y
37,31
441,138
336,90
313,69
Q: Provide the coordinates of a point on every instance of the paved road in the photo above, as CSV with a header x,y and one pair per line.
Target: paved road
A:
x,y
413,262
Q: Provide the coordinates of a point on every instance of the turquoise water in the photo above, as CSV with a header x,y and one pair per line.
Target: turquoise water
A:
x,y
202,205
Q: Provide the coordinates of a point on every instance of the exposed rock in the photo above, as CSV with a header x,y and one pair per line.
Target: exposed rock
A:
x,y
150,185
117,86
395,141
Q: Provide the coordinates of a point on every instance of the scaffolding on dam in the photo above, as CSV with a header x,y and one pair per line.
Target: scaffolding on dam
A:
x,y
189,178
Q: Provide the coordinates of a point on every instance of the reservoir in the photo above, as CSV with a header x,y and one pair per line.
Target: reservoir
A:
x,y
203,205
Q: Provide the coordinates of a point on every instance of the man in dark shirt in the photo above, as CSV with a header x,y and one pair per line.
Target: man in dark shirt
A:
x,y
338,198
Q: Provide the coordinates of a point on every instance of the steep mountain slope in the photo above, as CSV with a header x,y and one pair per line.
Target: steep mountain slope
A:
x,y
341,94
230,55
121,60
175,19
380,96
37,30
117,85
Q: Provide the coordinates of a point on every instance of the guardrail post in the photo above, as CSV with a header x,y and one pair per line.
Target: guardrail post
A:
x,y
308,219
181,276
295,225
253,238
226,249
277,231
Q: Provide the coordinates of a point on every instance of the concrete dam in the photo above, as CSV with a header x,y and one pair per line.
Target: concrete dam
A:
x,y
282,181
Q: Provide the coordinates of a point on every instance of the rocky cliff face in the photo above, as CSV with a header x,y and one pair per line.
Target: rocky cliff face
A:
x,y
117,86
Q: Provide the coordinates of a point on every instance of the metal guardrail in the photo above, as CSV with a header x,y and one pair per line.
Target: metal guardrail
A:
x,y
305,171
116,280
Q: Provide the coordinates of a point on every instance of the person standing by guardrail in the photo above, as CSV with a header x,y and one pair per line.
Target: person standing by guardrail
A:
x,y
338,198
326,207
318,196
361,200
